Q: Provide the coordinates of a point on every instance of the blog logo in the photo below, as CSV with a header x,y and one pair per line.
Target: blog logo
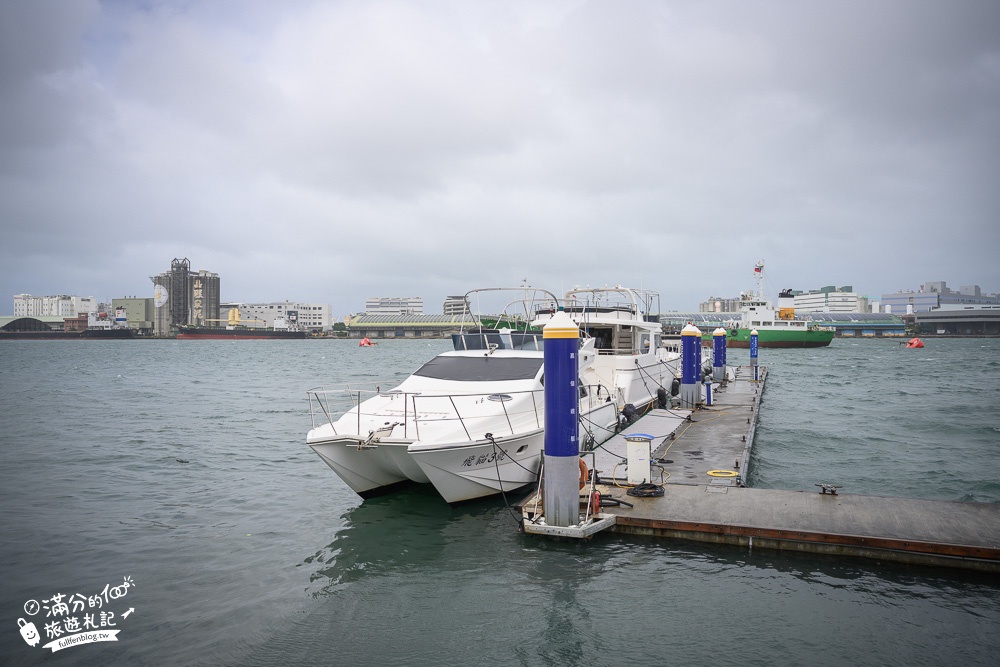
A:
x,y
73,620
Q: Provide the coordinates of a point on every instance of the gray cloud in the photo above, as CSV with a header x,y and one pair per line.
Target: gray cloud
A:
x,y
329,152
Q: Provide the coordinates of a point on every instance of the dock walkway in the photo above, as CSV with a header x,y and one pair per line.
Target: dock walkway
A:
x,y
688,445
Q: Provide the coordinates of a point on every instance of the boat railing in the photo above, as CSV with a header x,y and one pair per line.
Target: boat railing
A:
x,y
637,302
593,395
515,313
477,413
421,414
327,404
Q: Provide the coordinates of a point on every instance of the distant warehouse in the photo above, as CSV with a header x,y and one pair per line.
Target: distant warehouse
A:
x,y
959,320
406,326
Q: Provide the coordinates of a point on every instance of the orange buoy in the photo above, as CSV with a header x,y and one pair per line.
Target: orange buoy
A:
x,y
584,473
915,343
595,502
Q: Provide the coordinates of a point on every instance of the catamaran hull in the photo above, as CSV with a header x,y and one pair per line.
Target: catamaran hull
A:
x,y
469,471
370,470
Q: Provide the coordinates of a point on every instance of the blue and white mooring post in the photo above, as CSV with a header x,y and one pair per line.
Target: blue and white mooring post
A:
x,y
753,353
719,354
561,494
699,382
690,393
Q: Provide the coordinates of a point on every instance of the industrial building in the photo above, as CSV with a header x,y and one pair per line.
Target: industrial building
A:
x,y
61,305
830,299
954,319
394,305
935,294
182,296
311,316
456,305
138,313
406,326
718,304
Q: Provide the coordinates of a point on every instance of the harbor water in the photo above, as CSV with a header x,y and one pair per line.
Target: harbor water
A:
x,y
163,490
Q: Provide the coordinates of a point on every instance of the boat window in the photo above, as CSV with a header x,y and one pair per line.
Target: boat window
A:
x,y
603,336
481,369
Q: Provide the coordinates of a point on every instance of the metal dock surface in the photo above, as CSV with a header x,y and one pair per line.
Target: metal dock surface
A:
x,y
688,444
695,505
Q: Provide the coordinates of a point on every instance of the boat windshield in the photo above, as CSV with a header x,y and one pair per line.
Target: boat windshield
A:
x,y
481,369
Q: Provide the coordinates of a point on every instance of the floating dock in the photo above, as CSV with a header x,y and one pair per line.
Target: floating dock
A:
x,y
699,459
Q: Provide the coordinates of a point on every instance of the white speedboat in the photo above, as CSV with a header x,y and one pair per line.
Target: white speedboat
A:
x,y
469,421
624,368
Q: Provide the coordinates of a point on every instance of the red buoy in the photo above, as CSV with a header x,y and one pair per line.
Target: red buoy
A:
x,y
915,343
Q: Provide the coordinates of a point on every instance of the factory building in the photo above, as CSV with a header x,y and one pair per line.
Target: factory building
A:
x,y
61,305
959,320
407,326
830,299
935,294
311,316
456,305
718,304
137,313
394,305
182,296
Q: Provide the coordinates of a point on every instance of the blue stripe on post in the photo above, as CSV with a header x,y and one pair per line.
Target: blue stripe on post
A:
x,y
719,348
561,349
690,354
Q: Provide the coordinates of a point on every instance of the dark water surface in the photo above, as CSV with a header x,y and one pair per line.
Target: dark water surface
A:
x,y
180,467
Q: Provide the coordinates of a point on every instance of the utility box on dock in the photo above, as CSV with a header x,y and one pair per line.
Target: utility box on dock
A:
x,y
638,447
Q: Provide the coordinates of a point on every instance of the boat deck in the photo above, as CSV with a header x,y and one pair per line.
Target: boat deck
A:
x,y
688,445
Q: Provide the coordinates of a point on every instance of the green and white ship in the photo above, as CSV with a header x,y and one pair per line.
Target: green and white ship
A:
x,y
774,328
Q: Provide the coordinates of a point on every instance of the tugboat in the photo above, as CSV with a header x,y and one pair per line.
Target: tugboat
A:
x,y
779,329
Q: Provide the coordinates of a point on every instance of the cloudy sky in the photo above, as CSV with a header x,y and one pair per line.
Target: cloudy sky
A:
x,y
331,151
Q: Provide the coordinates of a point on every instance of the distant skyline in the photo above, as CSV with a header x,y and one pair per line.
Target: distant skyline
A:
x,y
437,307
331,151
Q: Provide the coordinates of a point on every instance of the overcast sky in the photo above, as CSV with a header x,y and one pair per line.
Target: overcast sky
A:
x,y
332,151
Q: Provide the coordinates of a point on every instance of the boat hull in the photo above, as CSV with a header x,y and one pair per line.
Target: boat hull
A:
x,y
370,470
214,333
468,471
86,334
768,338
